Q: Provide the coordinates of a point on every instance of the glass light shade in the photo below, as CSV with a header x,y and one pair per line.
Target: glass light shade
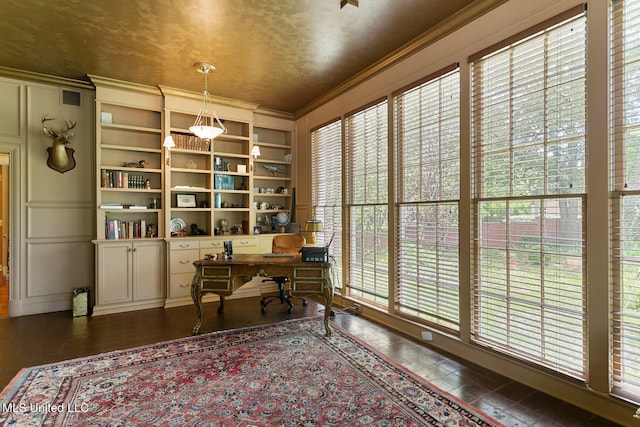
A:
x,y
204,126
168,142
206,132
255,151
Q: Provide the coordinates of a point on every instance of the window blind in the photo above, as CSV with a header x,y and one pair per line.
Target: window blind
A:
x,y
326,189
427,143
366,150
528,127
625,200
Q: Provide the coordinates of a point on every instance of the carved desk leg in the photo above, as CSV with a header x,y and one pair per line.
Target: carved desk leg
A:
x,y
328,303
196,296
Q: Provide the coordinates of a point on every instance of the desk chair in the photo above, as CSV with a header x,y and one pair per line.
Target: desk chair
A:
x,y
283,244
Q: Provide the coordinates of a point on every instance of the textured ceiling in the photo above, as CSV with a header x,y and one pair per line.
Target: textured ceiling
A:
x,y
280,54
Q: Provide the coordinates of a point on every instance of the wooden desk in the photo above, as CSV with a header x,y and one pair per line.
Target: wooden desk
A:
x,y
223,277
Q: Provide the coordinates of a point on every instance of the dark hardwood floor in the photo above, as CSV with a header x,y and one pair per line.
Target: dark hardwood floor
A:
x,y
40,339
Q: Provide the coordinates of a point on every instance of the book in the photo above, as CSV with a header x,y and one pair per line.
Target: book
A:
x,y
111,206
112,229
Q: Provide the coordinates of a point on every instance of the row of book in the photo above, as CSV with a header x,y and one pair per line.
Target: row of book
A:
x,y
223,182
121,179
119,229
190,142
112,206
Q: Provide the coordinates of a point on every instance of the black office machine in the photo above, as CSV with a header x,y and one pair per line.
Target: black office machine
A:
x,y
316,253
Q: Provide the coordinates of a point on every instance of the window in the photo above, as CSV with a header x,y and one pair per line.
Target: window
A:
x,y
366,150
326,191
625,200
528,124
427,141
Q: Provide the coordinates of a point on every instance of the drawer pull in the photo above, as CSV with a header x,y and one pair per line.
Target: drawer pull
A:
x,y
185,262
186,285
188,245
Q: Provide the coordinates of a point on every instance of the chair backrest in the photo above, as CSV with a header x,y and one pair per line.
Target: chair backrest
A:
x,y
287,244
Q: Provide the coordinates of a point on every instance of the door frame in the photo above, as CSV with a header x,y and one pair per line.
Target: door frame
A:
x,y
16,210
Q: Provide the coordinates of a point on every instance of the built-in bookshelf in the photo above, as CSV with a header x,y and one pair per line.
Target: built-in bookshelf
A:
x,y
212,178
129,159
129,197
156,205
273,189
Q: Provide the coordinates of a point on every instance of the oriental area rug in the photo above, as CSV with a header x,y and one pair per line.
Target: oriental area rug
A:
x,y
283,374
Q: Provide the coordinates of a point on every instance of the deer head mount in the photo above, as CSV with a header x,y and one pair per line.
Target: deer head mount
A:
x,y
60,156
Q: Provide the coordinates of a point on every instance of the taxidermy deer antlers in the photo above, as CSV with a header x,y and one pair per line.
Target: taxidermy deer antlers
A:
x,y
60,156
61,135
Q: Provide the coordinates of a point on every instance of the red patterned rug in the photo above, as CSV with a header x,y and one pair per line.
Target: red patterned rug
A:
x,y
284,374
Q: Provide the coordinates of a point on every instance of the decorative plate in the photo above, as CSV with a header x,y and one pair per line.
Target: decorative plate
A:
x,y
177,225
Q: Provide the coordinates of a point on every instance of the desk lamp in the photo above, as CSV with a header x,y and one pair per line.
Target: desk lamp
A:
x,y
313,226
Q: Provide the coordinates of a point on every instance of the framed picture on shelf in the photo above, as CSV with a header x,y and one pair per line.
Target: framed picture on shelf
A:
x,y
185,200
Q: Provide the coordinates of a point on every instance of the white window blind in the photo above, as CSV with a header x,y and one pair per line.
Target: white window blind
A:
x,y
528,123
625,200
326,189
366,150
427,142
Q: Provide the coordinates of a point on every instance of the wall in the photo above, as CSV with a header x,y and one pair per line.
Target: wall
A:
x,y
51,212
455,47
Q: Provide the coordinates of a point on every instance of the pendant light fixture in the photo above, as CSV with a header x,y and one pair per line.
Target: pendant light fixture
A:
x,y
205,124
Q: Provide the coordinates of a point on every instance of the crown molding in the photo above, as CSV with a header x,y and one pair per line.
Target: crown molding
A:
x,y
44,78
123,85
197,96
274,113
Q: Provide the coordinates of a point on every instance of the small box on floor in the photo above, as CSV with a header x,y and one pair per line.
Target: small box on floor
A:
x,y
80,302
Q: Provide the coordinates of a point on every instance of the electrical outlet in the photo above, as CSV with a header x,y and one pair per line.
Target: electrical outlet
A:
x,y
426,335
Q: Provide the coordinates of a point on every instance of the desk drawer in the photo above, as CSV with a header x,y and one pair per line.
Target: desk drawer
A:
x,y
182,261
307,286
308,273
216,278
216,271
211,284
308,280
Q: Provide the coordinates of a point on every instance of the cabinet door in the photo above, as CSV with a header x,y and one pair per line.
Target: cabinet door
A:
x,y
114,273
264,243
147,270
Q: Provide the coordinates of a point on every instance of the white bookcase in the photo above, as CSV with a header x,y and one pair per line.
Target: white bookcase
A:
x,y
129,197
